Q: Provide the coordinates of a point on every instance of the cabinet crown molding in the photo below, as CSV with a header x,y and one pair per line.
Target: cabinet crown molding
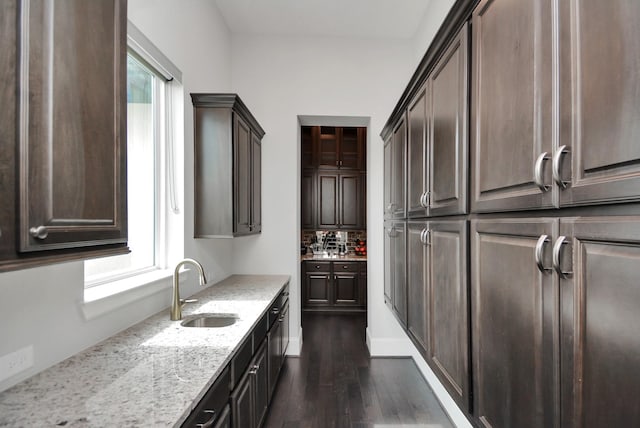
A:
x,y
232,101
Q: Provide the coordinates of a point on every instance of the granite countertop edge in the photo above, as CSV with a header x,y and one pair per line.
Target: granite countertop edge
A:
x,y
154,372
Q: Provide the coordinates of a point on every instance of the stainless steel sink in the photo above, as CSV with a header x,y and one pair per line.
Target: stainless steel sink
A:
x,y
210,320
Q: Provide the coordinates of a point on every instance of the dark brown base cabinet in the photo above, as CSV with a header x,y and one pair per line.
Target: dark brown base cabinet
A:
x,y
395,267
555,302
334,286
240,396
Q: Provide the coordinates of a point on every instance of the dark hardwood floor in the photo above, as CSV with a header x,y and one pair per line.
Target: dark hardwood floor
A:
x,y
334,383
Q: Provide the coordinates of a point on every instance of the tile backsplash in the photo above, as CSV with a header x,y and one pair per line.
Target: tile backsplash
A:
x,y
349,237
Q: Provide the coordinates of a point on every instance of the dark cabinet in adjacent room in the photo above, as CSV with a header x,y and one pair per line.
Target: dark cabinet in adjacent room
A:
x,y
340,201
334,285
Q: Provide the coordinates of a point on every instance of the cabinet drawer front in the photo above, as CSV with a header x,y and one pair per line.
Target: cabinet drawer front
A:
x,y
214,403
346,267
318,266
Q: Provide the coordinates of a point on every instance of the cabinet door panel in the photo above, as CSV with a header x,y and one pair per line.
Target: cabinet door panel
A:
x,y
256,184
448,307
418,151
418,256
352,143
350,201
328,147
309,138
388,146
399,248
512,111
242,406
328,200
242,175
448,142
72,124
514,321
261,383
600,100
600,345
346,289
398,170
275,355
318,289
308,198
388,263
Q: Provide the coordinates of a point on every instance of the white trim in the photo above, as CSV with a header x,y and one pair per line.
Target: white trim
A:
x,y
148,52
388,347
295,345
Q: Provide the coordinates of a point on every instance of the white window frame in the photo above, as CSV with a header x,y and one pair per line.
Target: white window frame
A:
x,y
169,221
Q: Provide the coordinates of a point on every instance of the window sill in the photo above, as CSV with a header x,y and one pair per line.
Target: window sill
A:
x,y
111,296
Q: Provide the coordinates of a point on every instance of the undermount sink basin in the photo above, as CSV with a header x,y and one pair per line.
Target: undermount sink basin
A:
x,y
210,320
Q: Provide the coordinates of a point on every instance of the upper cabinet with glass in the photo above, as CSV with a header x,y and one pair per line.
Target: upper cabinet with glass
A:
x,y
64,187
334,147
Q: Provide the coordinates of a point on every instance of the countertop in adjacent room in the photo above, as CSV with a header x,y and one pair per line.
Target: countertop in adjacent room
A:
x,y
152,374
325,258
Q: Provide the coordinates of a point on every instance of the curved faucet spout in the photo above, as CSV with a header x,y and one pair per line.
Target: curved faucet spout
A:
x,y
176,302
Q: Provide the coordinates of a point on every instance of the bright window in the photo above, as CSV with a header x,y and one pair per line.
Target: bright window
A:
x,y
150,182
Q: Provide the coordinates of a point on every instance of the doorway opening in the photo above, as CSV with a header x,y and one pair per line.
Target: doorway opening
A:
x,y
333,216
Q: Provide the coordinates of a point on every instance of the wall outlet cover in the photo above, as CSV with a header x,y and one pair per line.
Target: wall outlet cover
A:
x,y
16,362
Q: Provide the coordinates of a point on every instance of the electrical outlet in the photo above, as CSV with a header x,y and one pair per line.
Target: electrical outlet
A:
x,y
16,362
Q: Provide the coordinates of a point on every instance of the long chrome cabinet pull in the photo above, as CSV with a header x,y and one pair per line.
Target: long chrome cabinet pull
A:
x,y
555,166
537,172
424,236
557,248
539,254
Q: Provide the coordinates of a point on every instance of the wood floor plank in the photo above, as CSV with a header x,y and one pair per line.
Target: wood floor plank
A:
x,y
335,384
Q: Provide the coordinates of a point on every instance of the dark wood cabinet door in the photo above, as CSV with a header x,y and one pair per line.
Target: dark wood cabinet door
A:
x,y
448,171
418,143
225,419
513,316
285,331
388,146
399,246
328,146
600,344
512,107
256,184
352,148
398,170
243,413
346,290
308,200
260,373
418,257
317,289
388,263
309,137
351,200
449,307
599,101
72,124
328,203
274,338
242,176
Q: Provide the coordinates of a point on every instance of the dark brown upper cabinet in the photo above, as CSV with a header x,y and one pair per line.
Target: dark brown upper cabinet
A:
x,y
308,199
512,105
340,201
63,156
437,171
598,158
330,147
395,163
227,157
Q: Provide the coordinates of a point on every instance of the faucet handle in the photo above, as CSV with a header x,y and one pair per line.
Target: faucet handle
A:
x,y
185,301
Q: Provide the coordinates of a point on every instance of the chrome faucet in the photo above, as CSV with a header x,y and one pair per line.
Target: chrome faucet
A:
x,y
176,301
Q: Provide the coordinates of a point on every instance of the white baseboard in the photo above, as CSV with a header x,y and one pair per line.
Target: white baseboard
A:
x,y
403,347
295,345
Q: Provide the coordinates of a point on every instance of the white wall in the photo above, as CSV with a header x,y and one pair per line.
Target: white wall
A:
x,y
43,306
433,17
280,78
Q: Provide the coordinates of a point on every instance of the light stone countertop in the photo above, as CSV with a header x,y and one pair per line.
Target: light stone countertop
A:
x,y
152,374
324,258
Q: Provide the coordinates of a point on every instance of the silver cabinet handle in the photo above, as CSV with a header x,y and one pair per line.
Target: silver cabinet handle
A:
x,y
557,248
254,369
422,199
39,232
555,166
544,239
390,232
537,172
275,311
210,422
424,236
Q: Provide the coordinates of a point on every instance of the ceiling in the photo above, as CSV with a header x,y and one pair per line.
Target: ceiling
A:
x,y
395,19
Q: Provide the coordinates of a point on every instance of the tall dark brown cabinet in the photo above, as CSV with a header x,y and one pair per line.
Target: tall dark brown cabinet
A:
x,y
63,151
522,295
228,167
